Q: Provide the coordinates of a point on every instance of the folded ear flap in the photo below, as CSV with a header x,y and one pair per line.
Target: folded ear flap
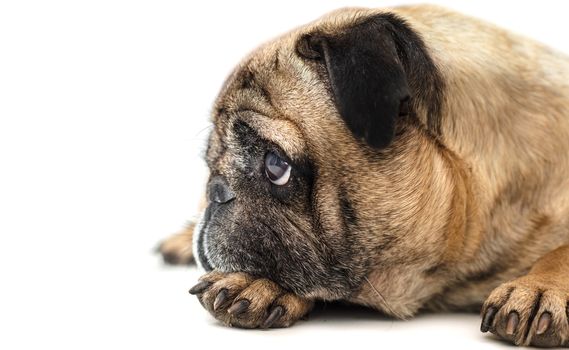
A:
x,y
366,76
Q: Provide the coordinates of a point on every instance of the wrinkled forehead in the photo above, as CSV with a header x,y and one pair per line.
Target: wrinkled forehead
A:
x,y
236,130
263,93
281,97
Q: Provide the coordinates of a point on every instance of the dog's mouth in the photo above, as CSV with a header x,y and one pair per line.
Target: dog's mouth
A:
x,y
222,244
200,240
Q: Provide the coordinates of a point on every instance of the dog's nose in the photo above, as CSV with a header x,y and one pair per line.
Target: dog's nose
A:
x,y
219,190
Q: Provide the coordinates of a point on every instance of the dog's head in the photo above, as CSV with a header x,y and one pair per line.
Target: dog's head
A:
x,y
325,160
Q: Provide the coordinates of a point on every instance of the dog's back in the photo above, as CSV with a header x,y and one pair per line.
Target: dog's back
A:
x,y
506,114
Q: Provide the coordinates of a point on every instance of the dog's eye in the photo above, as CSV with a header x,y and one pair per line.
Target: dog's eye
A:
x,y
277,170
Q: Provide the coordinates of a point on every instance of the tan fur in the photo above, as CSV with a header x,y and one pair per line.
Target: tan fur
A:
x,y
177,249
476,206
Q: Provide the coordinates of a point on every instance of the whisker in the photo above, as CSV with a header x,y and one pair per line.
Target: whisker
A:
x,y
208,127
391,311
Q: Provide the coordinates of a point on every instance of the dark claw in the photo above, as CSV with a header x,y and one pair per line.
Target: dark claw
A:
x,y
275,314
220,299
488,319
543,323
239,307
512,323
200,287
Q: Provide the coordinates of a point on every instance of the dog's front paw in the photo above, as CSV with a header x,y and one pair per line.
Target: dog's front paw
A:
x,y
241,300
528,311
177,249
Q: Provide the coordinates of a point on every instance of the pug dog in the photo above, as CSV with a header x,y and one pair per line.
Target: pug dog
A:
x,y
404,159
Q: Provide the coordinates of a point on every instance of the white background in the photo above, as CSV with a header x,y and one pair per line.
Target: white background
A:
x,y
103,114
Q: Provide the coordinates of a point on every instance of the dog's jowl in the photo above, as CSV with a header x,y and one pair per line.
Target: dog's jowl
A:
x,y
406,159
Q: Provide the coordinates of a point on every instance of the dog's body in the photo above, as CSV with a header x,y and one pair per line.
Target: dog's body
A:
x,y
453,180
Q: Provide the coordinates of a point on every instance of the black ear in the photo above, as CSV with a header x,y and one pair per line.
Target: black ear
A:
x,y
366,75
